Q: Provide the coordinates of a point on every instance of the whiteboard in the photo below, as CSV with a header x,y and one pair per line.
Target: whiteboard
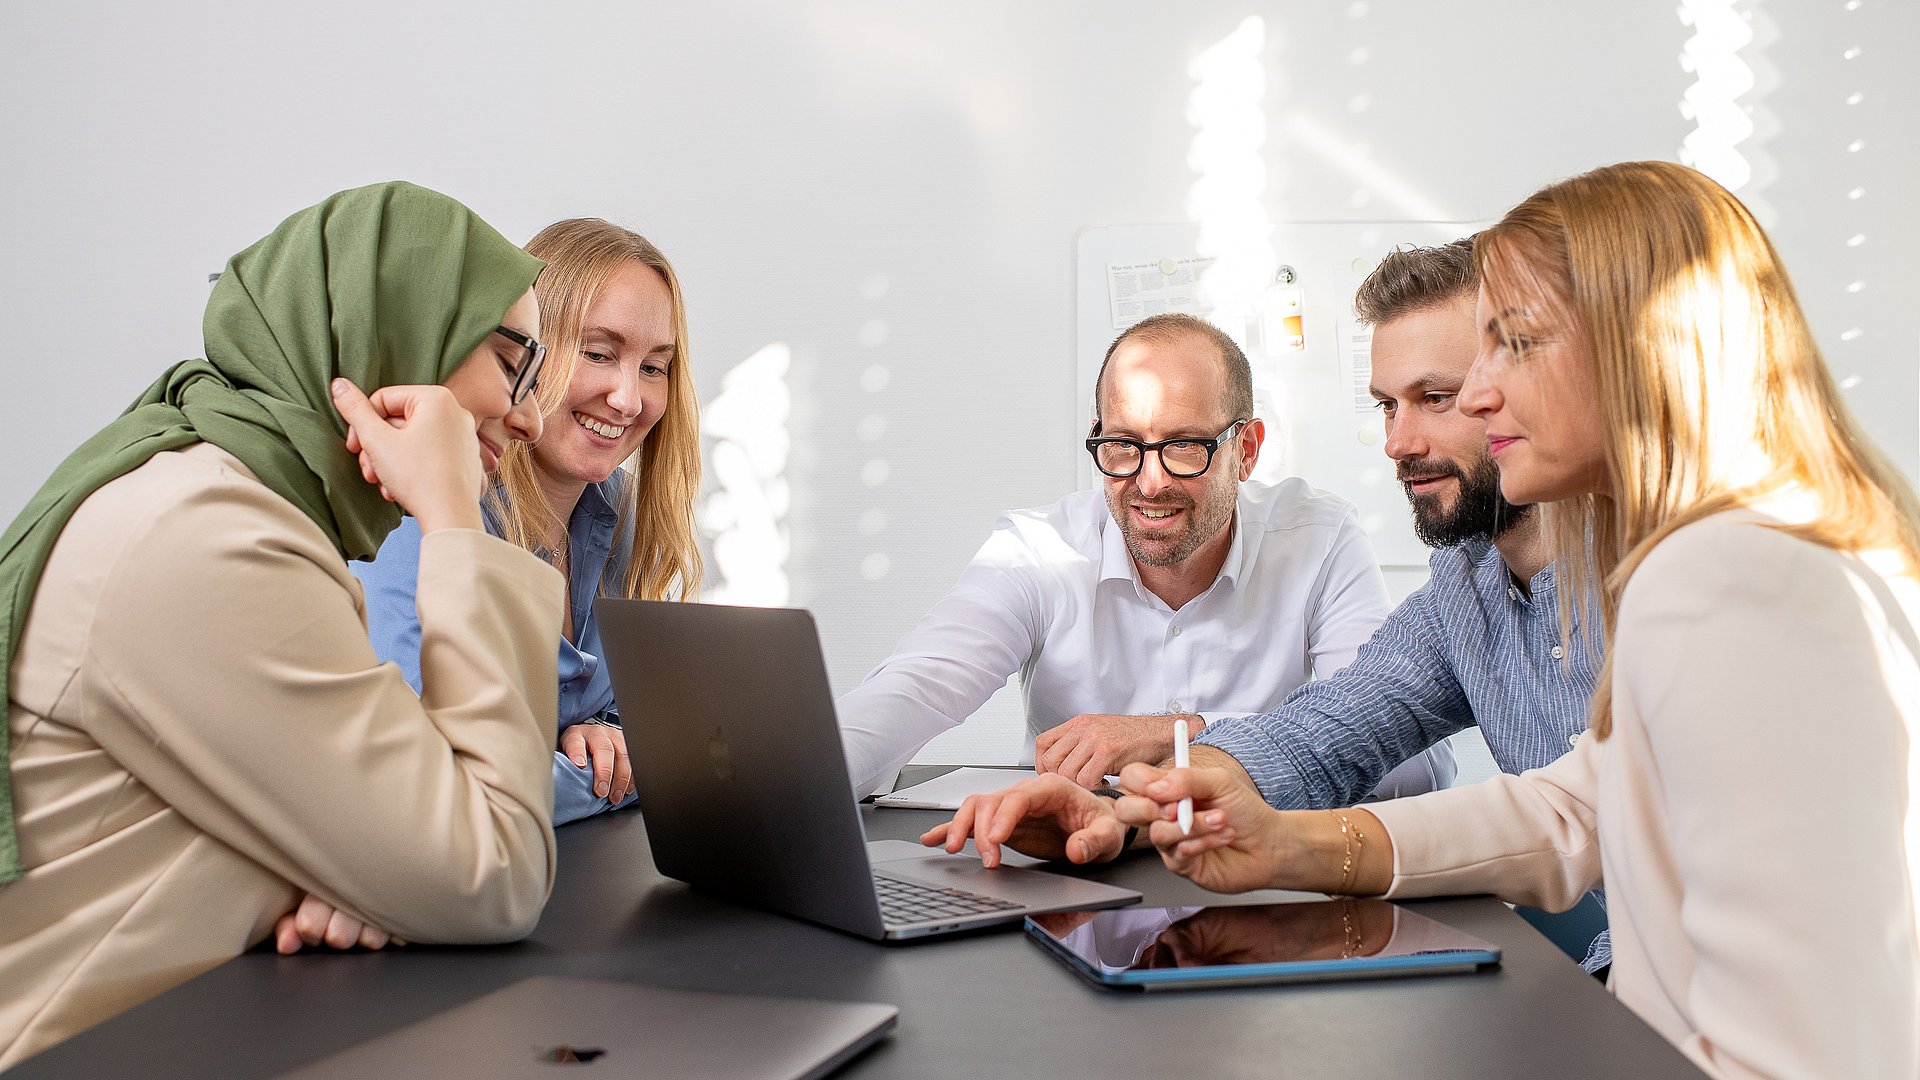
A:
x,y
1322,425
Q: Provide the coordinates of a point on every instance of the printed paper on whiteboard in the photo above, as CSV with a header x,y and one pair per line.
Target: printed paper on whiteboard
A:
x,y
1357,367
1137,290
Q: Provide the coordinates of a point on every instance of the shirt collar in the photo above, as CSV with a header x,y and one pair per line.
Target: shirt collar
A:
x,y
598,499
593,519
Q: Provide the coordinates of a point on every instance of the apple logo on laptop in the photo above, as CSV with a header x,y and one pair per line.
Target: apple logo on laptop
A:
x,y
721,754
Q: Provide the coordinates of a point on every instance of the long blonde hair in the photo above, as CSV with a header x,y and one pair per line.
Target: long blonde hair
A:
x,y
1712,392
656,511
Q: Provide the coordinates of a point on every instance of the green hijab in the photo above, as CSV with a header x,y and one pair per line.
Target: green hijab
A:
x,y
385,285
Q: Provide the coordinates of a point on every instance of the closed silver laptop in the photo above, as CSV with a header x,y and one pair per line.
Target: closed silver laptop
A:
x,y
736,753
548,1027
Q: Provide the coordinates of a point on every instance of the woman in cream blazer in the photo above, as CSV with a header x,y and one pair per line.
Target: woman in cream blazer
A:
x,y
197,729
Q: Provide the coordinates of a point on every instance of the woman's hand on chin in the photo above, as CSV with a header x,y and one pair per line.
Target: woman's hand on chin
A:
x,y
419,447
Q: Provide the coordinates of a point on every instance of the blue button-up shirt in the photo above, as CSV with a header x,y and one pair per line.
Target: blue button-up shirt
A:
x,y
1468,648
586,693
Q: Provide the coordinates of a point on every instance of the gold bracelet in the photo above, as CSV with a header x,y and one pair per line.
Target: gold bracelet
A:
x,y
1355,841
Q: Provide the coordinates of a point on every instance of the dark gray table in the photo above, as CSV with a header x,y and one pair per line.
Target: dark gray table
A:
x,y
989,1005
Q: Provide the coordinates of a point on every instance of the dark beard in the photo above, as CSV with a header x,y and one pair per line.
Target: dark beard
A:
x,y
1479,510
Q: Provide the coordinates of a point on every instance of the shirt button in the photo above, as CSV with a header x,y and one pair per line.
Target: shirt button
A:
x,y
1513,593
1176,631
1558,652
1173,706
1573,739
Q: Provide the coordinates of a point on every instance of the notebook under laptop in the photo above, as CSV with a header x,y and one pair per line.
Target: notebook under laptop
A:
x,y
736,754
595,1027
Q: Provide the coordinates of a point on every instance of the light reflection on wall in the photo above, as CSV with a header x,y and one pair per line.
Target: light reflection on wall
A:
x,y
745,514
1730,124
872,428
1852,57
1228,114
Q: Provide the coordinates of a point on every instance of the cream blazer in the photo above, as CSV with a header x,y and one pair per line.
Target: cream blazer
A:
x,y
201,733
1752,813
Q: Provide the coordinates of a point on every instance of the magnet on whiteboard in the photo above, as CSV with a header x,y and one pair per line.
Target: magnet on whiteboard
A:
x,y
1168,266
1367,434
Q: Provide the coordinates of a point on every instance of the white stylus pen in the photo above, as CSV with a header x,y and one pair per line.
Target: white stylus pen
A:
x,y
1180,762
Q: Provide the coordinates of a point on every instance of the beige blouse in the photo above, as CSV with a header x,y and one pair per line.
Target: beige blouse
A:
x,y
1752,813
201,732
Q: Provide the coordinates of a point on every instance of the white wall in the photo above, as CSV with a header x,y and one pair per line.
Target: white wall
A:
x,y
877,183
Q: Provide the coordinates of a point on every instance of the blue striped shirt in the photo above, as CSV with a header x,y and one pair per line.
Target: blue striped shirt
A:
x,y
1467,648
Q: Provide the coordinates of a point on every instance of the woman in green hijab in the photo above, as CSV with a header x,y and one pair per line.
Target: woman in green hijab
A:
x,y
197,731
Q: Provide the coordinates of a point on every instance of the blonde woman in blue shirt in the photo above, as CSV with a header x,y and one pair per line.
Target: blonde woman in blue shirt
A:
x,y
616,390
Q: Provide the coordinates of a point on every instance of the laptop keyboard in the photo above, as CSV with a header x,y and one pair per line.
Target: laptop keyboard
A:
x,y
907,902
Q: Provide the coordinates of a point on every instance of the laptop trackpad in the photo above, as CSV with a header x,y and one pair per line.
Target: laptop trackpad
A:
x,y
879,851
1035,888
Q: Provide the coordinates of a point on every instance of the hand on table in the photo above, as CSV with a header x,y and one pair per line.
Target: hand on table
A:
x,y
605,745
316,923
1047,817
1092,746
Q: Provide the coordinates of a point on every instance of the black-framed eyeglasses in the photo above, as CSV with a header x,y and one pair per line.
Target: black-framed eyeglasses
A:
x,y
1184,458
526,375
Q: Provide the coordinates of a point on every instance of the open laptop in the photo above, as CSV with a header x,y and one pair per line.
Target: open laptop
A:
x,y
736,754
595,1027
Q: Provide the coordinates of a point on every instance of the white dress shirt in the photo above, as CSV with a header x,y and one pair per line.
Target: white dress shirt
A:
x,y
1054,595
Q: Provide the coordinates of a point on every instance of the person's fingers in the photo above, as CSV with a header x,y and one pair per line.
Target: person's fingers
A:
x,y
354,406
936,836
1087,753
1137,776
342,930
353,441
961,826
1136,810
372,937
1193,847
1013,808
286,936
1093,774
1100,839
600,748
573,743
622,770
1047,738
367,471
310,919
1057,752
393,404
970,822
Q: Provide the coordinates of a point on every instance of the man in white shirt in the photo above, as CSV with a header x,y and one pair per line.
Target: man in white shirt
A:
x,y
1186,591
